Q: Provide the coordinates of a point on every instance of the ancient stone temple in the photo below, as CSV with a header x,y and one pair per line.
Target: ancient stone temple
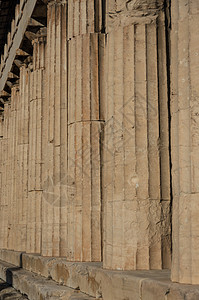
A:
x,y
99,149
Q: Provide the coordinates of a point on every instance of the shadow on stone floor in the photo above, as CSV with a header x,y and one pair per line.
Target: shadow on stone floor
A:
x,y
8,293
9,274
3,286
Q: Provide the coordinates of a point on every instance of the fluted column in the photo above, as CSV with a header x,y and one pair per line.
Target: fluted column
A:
x,y
136,179
5,188
22,158
1,182
84,153
85,124
185,146
36,98
54,138
13,226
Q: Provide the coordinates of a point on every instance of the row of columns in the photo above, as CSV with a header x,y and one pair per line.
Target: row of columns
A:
x,y
85,140
89,143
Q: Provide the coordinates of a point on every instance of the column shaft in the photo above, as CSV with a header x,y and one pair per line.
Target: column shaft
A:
x,y
54,136
184,126
84,158
136,146
37,79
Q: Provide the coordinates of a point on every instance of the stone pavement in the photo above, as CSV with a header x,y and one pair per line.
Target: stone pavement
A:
x,y
9,293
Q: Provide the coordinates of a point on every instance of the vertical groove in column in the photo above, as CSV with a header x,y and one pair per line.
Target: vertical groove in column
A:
x,y
64,133
184,144
1,182
71,148
130,178
141,140
175,140
194,94
108,164
118,137
165,176
155,229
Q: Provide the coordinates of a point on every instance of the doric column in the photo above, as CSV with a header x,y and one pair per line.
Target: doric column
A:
x,y
1,182
36,98
136,191
185,146
85,122
4,198
84,154
18,187
13,217
54,134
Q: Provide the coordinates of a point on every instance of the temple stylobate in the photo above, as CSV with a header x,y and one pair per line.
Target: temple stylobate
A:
x,y
99,149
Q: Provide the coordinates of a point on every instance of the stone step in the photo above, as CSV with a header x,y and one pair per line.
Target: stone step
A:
x,y
9,293
91,279
37,287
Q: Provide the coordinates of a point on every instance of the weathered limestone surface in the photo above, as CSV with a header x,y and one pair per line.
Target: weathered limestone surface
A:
x,y
136,180
37,287
54,134
91,281
84,142
124,13
36,98
84,157
15,166
185,146
7,292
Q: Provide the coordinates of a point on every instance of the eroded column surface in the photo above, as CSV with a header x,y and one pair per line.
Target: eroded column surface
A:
x,y
13,216
4,201
84,154
185,146
1,178
136,179
22,153
54,134
36,98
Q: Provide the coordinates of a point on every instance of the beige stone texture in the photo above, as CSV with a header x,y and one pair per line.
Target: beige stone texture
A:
x,y
81,17
136,191
36,287
92,281
184,140
37,84
84,157
93,148
8,292
54,135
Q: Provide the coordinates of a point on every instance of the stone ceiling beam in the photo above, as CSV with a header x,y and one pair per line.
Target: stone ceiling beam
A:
x,y
16,40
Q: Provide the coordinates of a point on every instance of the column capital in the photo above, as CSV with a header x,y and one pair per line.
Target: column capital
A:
x,y
52,2
40,36
129,12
